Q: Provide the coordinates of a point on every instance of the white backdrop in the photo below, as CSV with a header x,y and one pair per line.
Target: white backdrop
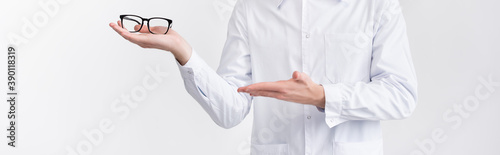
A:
x,y
73,67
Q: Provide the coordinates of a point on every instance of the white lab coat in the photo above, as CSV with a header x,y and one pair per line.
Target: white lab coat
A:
x,y
357,49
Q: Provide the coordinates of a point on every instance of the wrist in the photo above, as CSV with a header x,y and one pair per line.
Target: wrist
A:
x,y
183,53
321,101
184,56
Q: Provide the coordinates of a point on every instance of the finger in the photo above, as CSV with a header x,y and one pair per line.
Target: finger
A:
x,y
158,29
258,86
243,89
272,94
300,76
296,75
136,27
154,29
118,29
126,34
266,86
143,29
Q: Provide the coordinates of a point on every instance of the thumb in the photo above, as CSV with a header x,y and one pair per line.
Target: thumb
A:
x,y
296,75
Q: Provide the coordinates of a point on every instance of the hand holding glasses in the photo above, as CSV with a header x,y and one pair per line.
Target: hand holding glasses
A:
x,y
155,25
171,41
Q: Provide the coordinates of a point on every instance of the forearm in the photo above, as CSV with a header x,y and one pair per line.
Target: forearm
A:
x,y
384,98
216,95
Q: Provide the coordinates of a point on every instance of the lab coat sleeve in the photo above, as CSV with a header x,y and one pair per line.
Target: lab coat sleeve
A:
x,y
392,90
216,91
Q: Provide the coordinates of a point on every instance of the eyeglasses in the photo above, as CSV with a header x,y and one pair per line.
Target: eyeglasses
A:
x,y
156,25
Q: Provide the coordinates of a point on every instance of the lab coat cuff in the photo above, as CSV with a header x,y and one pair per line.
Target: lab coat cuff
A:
x,y
192,65
334,104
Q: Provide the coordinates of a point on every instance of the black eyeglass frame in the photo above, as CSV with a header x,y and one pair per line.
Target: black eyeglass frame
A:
x,y
142,22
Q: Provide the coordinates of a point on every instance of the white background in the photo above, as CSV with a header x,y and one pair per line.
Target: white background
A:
x,y
75,66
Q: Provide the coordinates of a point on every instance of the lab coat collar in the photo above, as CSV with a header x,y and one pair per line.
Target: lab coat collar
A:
x,y
279,2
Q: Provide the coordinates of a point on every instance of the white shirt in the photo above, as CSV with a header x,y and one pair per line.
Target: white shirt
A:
x,y
357,49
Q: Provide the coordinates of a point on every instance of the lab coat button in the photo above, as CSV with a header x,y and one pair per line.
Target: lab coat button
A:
x,y
308,117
